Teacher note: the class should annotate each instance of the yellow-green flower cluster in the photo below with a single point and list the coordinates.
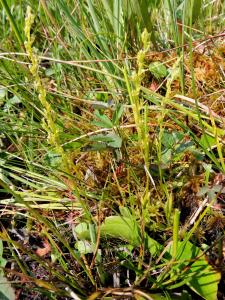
(48, 121)
(137, 102)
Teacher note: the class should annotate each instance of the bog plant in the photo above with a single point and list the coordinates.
(49, 123)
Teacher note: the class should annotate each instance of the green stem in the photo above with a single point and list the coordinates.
(13, 23)
(175, 232)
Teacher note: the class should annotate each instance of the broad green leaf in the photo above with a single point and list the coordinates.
(116, 141)
(110, 139)
(199, 275)
(127, 229)
(183, 295)
(102, 120)
(184, 146)
(123, 228)
(53, 159)
(81, 231)
(211, 191)
(158, 70)
(73, 145)
(206, 279)
(84, 247)
(103, 97)
(202, 191)
(152, 245)
(99, 146)
(101, 138)
(6, 291)
(170, 139)
(166, 156)
(207, 141)
(49, 72)
(197, 154)
(125, 212)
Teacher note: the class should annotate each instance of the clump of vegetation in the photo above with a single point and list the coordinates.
(112, 171)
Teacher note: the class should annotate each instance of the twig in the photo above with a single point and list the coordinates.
(198, 211)
(104, 130)
(205, 108)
